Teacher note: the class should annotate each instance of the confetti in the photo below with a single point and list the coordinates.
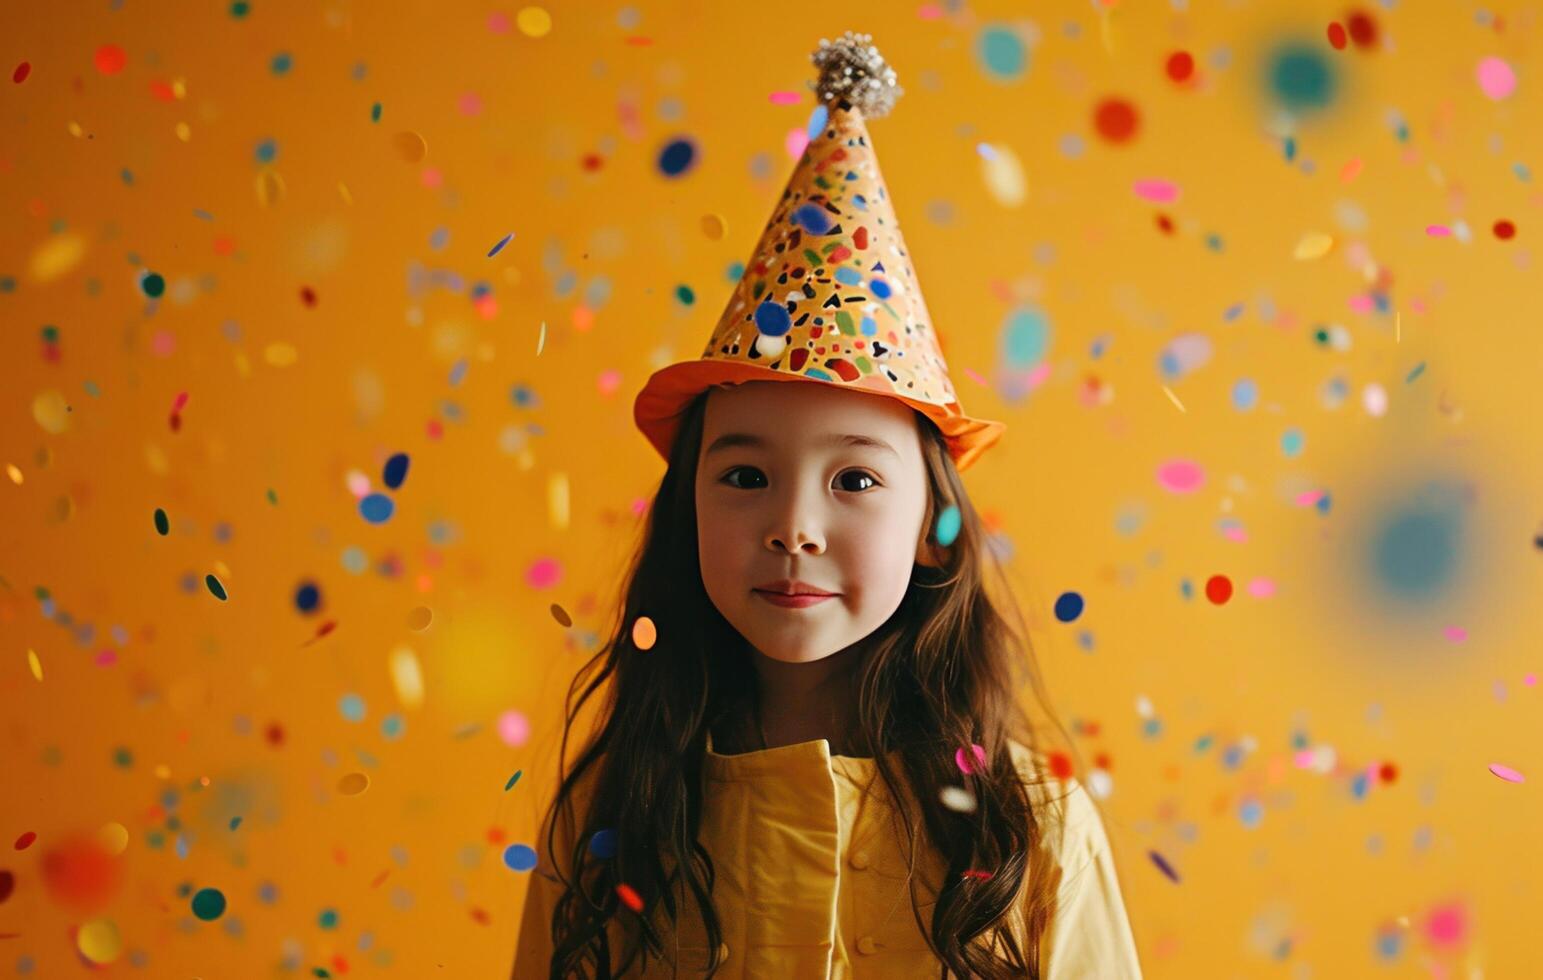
(395, 471)
(162, 525)
(410, 146)
(110, 59)
(407, 676)
(1496, 77)
(533, 21)
(35, 665)
(957, 799)
(561, 615)
(714, 227)
(962, 760)
(1181, 476)
(376, 508)
(216, 587)
(629, 897)
(677, 157)
(208, 904)
(500, 246)
(513, 779)
(1180, 66)
(1068, 606)
(22, 71)
(1506, 772)
(643, 633)
(98, 940)
(946, 530)
(354, 783)
(1164, 866)
(1116, 120)
(1218, 588)
(1313, 245)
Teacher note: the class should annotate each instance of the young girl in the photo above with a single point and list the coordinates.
(819, 767)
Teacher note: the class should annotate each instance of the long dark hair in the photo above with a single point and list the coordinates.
(941, 674)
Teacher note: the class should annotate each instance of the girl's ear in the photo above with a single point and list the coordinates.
(928, 553)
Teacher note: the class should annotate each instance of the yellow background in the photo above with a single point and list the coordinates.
(189, 686)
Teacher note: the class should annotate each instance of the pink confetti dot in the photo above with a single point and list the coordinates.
(1496, 77)
(431, 177)
(1531, 680)
(795, 142)
(498, 22)
(163, 343)
(1455, 634)
(1181, 476)
(513, 728)
(1307, 498)
(469, 104)
(608, 381)
(1261, 588)
(1507, 773)
(543, 573)
(1161, 191)
(1447, 926)
(963, 761)
(784, 98)
(1437, 231)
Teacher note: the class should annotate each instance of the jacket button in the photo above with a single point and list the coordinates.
(859, 859)
(867, 945)
(723, 951)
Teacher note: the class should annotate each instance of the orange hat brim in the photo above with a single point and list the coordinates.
(670, 389)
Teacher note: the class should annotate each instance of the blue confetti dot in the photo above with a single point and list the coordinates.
(948, 524)
(1001, 53)
(811, 218)
(352, 707)
(817, 120)
(880, 288)
(307, 597)
(677, 157)
(281, 63)
(391, 727)
(328, 919)
(1068, 606)
(396, 471)
(1025, 338)
(772, 319)
(376, 508)
(520, 857)
(267, 151)
(1301, 78)
(1250, 813)
(602, 844)
(1291, 442)
(1245, 394)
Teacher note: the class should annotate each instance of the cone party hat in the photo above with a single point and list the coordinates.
(829, 296)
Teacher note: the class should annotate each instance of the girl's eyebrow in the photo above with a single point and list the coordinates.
(732, 439)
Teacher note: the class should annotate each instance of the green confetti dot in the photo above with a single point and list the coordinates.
(240, 8)
(235, 822)
(685, 294)
(152, 284)
(215, 587)
(512, 780)
(273, 497)
(162, 525)
(375, 112)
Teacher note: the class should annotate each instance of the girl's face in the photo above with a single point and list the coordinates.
(814, 484)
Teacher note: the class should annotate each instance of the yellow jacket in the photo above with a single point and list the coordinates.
(811, 880)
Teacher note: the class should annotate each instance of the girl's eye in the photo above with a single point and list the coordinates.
(861, 475)
(849, 485)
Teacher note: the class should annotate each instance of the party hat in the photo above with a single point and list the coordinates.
(829, 295)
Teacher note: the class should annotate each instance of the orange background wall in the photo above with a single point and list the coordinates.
(1312, 756)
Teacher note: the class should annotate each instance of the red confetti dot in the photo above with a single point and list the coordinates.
(1165, 224)
(25, 840)
(7, 885)
(1363, 29)
(1101, 760)
(1218, 588)
(308, 296)
(224, 245)
(1504, 230)
(1388, 773)
(274, 733)
(630, 897)
(1337, 36)
(22, 71)
(1060, 765)
(1180, 66)
(593, 162)
(110, 59)
(1115, 120)
(480, 915)
(976, 874)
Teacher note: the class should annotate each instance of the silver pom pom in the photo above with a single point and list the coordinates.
(851, 68)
